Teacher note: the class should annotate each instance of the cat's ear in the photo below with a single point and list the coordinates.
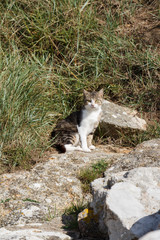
(85, 93)
(100, 93)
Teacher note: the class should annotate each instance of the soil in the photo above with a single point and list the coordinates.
(144, 25)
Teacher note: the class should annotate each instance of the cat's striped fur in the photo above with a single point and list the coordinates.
(76, 131)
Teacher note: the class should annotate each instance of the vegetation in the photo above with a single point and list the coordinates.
(70, 215)
(51, 50)
(89, 174)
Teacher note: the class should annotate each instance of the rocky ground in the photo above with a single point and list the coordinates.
(34, 201)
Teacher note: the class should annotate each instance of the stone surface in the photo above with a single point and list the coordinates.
(52, 229)
(146, 154)
(155, 235)
(87, 223)
(36, 199)
(128, 203)
(42, 194)
(121, 117)
(34, 234)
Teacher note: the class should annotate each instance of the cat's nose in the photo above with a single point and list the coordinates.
(92, 102)
(92, 105)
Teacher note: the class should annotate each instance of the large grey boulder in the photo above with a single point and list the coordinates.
(144, 155)
(128, 203)
(116, 117)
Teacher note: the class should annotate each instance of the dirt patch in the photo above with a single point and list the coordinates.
(144, 25)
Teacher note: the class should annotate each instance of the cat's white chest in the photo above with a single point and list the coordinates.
(89, 119)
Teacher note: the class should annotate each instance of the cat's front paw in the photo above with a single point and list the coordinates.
(78, 148)
(92, 147)
(86, 150)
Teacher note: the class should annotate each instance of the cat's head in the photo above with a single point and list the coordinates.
(93, 100)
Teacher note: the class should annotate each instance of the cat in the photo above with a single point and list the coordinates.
(76, 131)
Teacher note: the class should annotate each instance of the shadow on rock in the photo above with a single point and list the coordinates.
(82, 226)
(146, 224)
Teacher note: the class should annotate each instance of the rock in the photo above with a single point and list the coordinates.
(34, 233)
(42, 194)
(115, 117)
(87, 222)
(30, 199)
(146, 154)
(155, 235)
(99, 193)
(31, 234)
(46, 190)
(131, 206)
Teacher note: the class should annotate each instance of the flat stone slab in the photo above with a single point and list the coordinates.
(34, 234)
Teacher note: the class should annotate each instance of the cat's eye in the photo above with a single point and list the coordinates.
(87, 102)
(99, 101)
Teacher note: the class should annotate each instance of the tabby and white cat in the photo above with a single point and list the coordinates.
(76, 131)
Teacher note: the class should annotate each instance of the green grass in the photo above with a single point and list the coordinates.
(70, 215)
(5, 201)
(89, 174)
(50, 51)
(127, 139)
(24, 104)
(29, 200)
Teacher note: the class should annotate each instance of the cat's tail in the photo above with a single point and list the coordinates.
(59, 147)
(64, 142)
(67, 148)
